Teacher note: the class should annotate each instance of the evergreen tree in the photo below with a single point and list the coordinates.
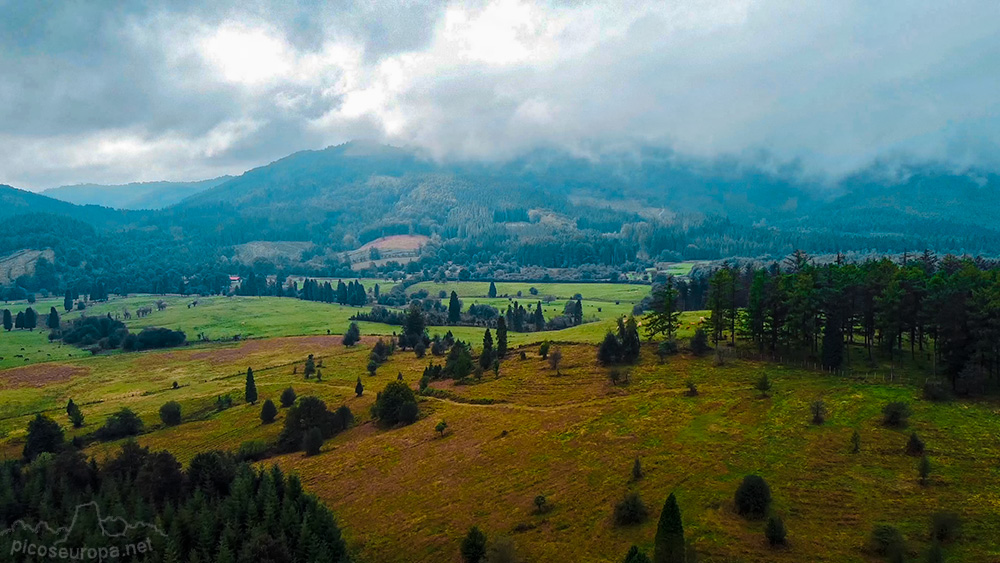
(775, 531)
(635, 555)
(833, 342)
(539, 317)
(610, 350)
(30, 318)
(353, 334)
(268, 412)
(668, 546)
(359, 389)
(699, 342)
(288, 397)
(454, 309)
(68, 301)
(501, 337)
(473, 547)
(170, 413)
(8, 322)
(753, 497)
(53, 320)
(250, 394)
(44, 435)
(19, 320)
(493, 290)
(664, 318)
(75, 415)
(487, 355)
(310, 368)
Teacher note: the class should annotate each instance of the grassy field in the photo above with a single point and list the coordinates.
(408, 494)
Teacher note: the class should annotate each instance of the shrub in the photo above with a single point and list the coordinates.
(541, 504)
(775, 531)
(666, 348)
(543, 350)
(637, 470)
(699, 342)
(886, 541)
(268, 412)
(473, 547)
(914, 446)
(635, 555)
(630, 510)
(44, 435)
(763, 385)
(692, 388)
(119, 425)
(924, 467)
(502, 550)
(252, 450)
(895, 414)
(753, 497)
(288, 397)
(936, 390)
(818, 409)
(312, 441)
(855, 442)
(311, 412)
(441, 427)
(395, 404)
(353, 335)
(945, 526)
(170, 413)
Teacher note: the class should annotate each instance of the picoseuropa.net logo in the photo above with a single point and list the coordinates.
(118, 540)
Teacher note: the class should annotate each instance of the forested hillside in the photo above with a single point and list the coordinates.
(600, 217)
(139, 195)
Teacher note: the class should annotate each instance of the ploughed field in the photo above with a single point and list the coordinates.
(410, 494)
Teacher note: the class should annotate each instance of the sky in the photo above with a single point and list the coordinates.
(116, 92)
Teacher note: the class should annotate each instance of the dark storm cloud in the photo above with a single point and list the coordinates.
(143, 91)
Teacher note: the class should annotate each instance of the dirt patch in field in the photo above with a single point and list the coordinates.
(39, 375)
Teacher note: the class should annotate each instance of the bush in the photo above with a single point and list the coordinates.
(635, 555)
(312, 441)
(288, 397)
(915, 446)
(692, 388)
(155, 337)
(666, 348)
(818, 409)
(699, 342)
(937, 391)
(170, 413)
(945, 526)
(775, 531)
(630, 510)
(764, 385)
(252, 450)
(473, 547)
(44, 435)
(753, 497)
(895, 414)
(886, 541)
(311, 412)
(395, 404)
(268, 412)
(543, 350)
(119, 425)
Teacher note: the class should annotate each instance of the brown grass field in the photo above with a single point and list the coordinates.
(409, 495)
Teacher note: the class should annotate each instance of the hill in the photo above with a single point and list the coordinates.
(139, 195)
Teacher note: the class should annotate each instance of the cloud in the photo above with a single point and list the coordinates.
(130, 93)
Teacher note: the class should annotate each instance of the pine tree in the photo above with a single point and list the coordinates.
(668, 546)
(501, 337)
(8, 322)
(353, 335)
(635, 555)
(610, 351)
(75, 415)
(486, 357)
(310, 367)
(473, 547)
(493, 290)
(288, 397)
(30, 319)
(251, 388)
(664, 318)
(359, 389)
(833, 342)
(268, 412)
(68, 301)
(19, 320)
(53, 320)
(454, 309)
(775, 531)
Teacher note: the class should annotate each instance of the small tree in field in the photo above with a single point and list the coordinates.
(288, 397)
(372, 367)
(473, 547)
(637, 469)
(75, 416)
(914, 446)
(543, 350)
(699, 342)
(555, 358)
(855, 442)
(668, 545)
(310, 368)
(441, 427)
(268, 412)
(251, 388)
(924, 468)
(764, 385)
(170, 413)
(775, 531)
(753, 497)
(541, 504)
(895, 414)
(359, 389)
(818, 412)
(630, 510)
(353, 335)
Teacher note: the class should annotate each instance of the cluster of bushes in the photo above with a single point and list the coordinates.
(105, 333)
(379, 354)
(396, 404)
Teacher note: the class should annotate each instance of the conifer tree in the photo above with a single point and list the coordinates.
(454, 309)
(669, 542)
(493, 290)
(250, 394)
(8, 322)
(268, 412)
(359, 389)
(501, 337)
(486, 357)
